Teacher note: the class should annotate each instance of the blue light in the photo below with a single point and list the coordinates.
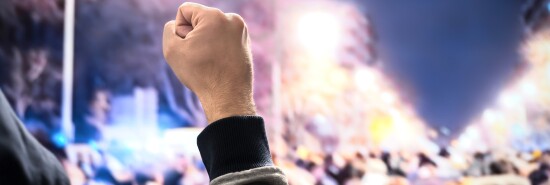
(59, 140)
(548, 6)
(518, 130)
(93, 145)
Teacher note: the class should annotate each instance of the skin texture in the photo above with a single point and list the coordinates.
(209, 51)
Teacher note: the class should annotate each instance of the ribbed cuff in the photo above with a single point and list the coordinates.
(234, 144)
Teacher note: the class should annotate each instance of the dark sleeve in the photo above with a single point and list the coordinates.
(235, 150)
(23, 161)
(234, 144)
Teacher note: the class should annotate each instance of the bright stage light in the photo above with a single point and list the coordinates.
(472, 131)
(319, 32)
(489, 116)
(389, 97)
(528, 88)
(509, 100)
(365, 79)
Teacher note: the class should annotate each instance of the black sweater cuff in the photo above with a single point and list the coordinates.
(234, 144)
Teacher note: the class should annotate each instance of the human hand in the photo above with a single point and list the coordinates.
(209, 51)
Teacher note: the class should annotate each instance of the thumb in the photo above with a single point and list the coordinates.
(169, 37)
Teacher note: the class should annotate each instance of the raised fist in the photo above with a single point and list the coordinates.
(209, 51)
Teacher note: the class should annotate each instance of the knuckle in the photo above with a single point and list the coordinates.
(168, 25)
(188, 4)
(236, 20)
(183, 5)
(216, 12)
(216, 15)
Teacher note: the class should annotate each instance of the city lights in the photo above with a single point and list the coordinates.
(319, 33)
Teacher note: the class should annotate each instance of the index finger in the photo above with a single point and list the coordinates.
(188, 14)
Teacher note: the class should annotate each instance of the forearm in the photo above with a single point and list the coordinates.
(209, 51)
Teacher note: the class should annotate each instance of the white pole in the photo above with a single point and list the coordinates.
(68, 67)
(277, 124)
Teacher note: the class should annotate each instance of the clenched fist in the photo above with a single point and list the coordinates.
(209, 52)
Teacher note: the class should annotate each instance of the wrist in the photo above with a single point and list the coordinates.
(220, 107)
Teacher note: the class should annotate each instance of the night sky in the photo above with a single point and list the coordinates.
(450, 57)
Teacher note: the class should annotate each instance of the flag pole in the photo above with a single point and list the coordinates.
(68, 67)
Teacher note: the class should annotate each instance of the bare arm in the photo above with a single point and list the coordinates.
(209, 51)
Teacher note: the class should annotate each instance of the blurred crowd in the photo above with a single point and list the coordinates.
(402, 168)
(372, 168)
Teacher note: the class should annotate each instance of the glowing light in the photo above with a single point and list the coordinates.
(528, 88)
(134, 145)
(365, 79)
(93, 145)
(389, 97)
(472, 132)
(509, 100)
(458, 159)
(319, 32)
(59, 140)
(489, 116)
(302, 152)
